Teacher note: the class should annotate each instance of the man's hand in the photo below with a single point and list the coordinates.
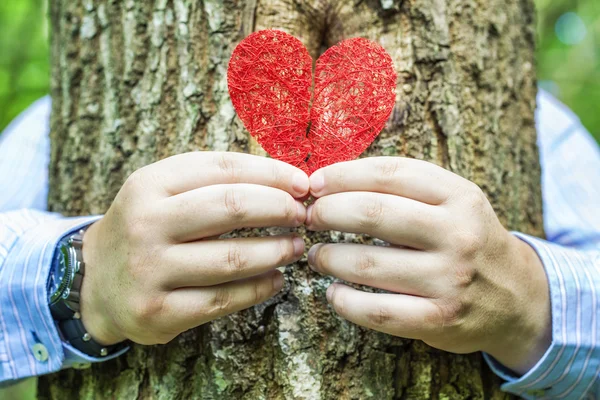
(460, 281)
(154, 264)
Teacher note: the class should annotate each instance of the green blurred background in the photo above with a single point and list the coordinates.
(568, 55)
(568, 64)
(24, 58)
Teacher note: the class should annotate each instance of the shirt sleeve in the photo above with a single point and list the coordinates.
(29, 341)
(569, 368)
(24, 158)
(570, 161)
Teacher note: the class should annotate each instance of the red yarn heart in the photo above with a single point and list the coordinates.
(269, 79)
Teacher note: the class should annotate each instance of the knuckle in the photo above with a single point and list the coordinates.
(386, 170)
(448, 315)
(134, 181)
(140, 180)
(379, 316)
(221, 302)
(229, 166)
(365, 264)
(259, 293)
(277, 175)
(336, 174)
(137, 219)
(146, 309)
(322, 257)
(285, 251)
(318, 216)
(474, 196)
(337, 301)
(428, 221)
(234, 205)
(464, 276)
(236, 260)
(467, 244)
(372, 214)
(290, 211)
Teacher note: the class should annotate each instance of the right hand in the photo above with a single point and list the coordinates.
(155, 266)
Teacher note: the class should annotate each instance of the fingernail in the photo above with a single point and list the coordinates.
(317, 182)
(298, 246)
(330, 291)
(308, 219)
(311, 255)
(301, 216)
(300, 183)
(278, 282)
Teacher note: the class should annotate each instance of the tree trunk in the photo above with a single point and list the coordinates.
(136, 81)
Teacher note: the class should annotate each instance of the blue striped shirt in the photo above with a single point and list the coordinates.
(31, 345)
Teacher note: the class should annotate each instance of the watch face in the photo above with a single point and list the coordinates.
(59, 277)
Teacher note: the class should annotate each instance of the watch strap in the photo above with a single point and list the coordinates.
(75, 333)
(60, 311)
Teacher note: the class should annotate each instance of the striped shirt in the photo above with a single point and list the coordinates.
(31, 345)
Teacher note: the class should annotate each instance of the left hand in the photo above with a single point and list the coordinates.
(460, 281)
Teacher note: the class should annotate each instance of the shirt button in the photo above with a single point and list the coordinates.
(40, 352)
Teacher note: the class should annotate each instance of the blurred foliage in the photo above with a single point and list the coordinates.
(23, 390)
(568, 55)
(24, 58)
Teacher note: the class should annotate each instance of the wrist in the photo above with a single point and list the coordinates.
(523, 343)
(94, 314)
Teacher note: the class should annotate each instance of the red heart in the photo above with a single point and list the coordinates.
(269, 78)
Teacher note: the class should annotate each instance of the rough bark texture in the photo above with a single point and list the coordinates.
(135, 81)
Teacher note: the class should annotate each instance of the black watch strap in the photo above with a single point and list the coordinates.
(75, 333)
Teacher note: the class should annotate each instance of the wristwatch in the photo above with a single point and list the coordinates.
(64, 286)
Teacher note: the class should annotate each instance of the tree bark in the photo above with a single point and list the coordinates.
(136, 81)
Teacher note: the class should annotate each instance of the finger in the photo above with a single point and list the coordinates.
(187, 308)
(396, 314)
(217, 209)
(414, 179)
(209, 263)
(396, 270)
(189, 171)
(395, 219)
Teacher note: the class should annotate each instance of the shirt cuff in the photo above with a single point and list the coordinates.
(570, 366)
(31, 344)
